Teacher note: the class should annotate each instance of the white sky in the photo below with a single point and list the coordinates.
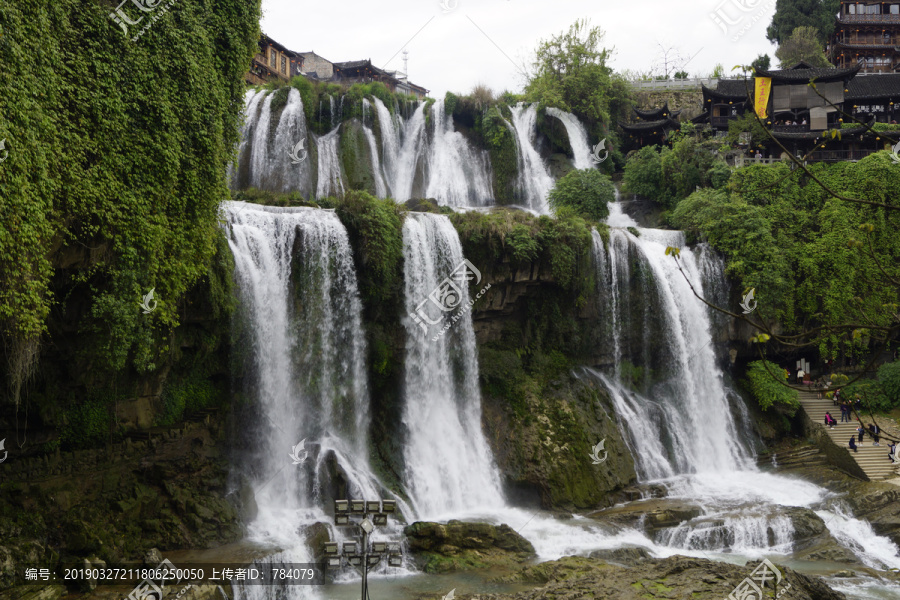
(450, 53)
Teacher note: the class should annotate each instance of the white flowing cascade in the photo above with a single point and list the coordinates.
(449, 468)
(402, 176)
(307, 371)
(259, 152)
(534, 181)
(331, 182)
(578, 138)
(683, 432)
(283, 174)
(377, 174)
(458, 175)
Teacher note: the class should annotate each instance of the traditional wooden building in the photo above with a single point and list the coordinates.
(650, 126)
(273, 61)
(798, 115)
(316, 67)
(867, 34)
(363, 71)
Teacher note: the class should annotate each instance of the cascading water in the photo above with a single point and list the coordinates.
(534, 181)
(457, 174)
(390, 141)
(284, 172)
(683, 424)
(449, 468)
(664, 307)
(403, 174)
(380, 187)
(331, 182)
(305, 365)
(578, 138)
(259, 152)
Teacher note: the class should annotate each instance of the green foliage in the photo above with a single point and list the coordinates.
(744, 123)
(375, 227)
(501, 145)
(805, 44)
(571, 73)
(769, 392)
(791, 14)
(115, 150)
(889, 378)
(450, 102)
(185, 397)
(87, 424)
(802, 249)
(761, 63)
(587, 191)
(667, 175)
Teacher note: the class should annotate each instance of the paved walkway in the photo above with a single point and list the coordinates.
(872, 459)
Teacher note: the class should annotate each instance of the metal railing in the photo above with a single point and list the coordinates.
(674, 84)
(869, 19)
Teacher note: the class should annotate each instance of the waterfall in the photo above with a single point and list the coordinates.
(380, 187)
(259, 152)
(683, 423)
(448, 464)
(330, 182)
(390, 141)
(404, 174)
(534, 181)
(301, 315)
(283, 174)
(331, 110)
(578, 138)
(305, 362)
(457, 174)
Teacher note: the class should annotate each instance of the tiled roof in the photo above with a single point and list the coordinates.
(650, 125)
(731, 89)
(803, 75)
(885, 85)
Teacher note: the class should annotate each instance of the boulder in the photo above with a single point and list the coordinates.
(673, 577)
(459, 546)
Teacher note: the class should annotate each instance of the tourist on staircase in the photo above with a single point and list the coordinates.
(845, 412)
(853, 444)
(860, 430)
(892, 451)
(874, 431)
(829, 420)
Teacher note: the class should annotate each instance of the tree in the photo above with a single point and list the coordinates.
(718, 71)
(791, 14)
(762, 63)
(587, 191)
(570, 72)
(681, 75)
(803, 45)
(668, 61)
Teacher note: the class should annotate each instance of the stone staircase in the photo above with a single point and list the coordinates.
(872, 459)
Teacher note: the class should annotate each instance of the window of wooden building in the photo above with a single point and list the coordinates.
(284, 65)
(272, 58)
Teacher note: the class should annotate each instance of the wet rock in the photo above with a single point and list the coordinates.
(152, 557)
(459, 546)
(674, 577)
(655, 514)
(621, 555)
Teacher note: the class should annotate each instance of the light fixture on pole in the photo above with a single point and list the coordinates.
(363, 555)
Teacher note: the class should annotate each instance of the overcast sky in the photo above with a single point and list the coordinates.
(455, 44)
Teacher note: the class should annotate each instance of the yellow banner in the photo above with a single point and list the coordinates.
(761, 101)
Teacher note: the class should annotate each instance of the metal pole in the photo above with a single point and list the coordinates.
(365, 564)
